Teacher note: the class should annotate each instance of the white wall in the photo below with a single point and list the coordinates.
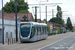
(9, 27)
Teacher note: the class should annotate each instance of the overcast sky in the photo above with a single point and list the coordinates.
(68, 8)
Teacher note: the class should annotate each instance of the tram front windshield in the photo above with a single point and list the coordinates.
(25, 30)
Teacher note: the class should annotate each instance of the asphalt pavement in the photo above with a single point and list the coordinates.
(64, 44)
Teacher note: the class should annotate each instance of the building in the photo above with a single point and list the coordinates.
(55, 25)
(9, 24)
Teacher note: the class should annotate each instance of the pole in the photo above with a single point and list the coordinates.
(35, 14)
(16, 19)
(2, 24)
(40, 11)
(52, 17)
(46, 14)
(27, 10)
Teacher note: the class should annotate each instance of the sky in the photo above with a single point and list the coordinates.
(67, 6)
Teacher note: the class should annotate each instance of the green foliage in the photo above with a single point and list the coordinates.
(9, 7)
(69, 24)
(21, 6)
(59, 16)
(48, 28)
(59, 13)
(58, 30)
(72, 30)
(44, 20)
(51, 34)
(23, 11)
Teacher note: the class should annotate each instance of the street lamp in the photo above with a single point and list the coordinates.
(2, 25)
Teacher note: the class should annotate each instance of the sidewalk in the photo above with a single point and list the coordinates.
(1, 46)
(72, 47)
(6, 46)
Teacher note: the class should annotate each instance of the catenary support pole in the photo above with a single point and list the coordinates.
(16, 19)
(2, 24)
(46, 14)
(53, 19)
(35, 14)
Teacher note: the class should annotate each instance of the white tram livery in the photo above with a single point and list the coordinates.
(32, 31)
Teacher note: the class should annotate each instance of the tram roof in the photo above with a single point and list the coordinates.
(36, 23)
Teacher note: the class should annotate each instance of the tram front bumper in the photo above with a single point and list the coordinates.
(24, 39)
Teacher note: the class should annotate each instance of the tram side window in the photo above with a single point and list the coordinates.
(37, 30)
(43, 30)
(40, 30)
(32, 31)
(46, 30)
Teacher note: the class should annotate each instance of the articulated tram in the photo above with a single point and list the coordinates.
(32, 31)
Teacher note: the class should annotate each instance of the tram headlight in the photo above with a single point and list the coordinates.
(20, 36)
(28, 36)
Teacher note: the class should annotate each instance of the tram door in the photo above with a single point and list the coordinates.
(0, 35)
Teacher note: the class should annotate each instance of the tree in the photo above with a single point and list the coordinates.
(69, 24)
(59, 15)
(59, 12)
(58, 19)
(44, 19)
(53, 20)
(21, 6)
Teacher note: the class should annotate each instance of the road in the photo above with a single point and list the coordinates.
(40, 45)
(64, 44)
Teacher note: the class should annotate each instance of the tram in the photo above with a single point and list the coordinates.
(32, 31)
